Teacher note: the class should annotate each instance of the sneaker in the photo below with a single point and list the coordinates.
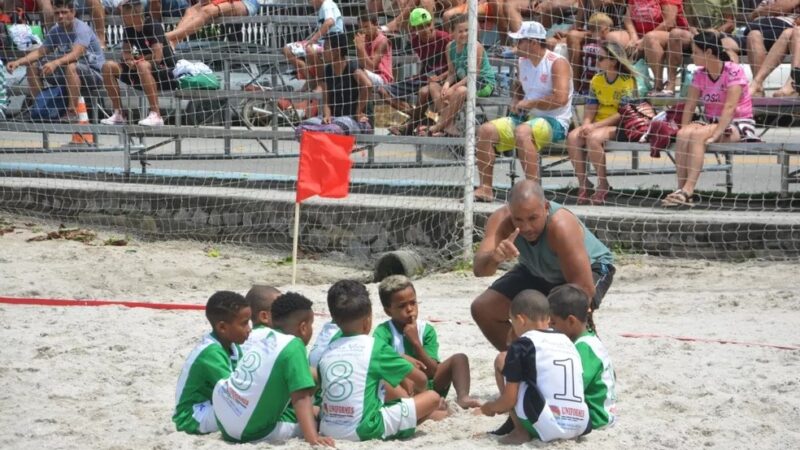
(152, 120)
(116, 119)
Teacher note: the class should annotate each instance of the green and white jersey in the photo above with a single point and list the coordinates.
(208, 363)
(329, 333)
(249, 403)
(599, 380)
(390, 335)
(350, 372)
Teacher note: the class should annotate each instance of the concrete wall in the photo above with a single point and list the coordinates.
(363, 232)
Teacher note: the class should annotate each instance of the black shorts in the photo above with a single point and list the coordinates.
(770, 27)
(164, 79)
(519, 278)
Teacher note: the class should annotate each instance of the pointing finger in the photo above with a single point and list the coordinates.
(513, 235)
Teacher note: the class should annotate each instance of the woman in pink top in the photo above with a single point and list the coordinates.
(374, 51)
(722, 87)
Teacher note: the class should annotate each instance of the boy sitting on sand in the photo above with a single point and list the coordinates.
(543, 386)
(213, 359)
(260, 298)
(330, 331)
(351, 372)
(412, 336)
(569, 315)
(251, 405)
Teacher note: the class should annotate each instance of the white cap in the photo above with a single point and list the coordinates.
(530, 30)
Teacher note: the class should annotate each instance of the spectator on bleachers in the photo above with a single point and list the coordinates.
(374, 51)
(73, 57)
(453, 91)
(721, 85)
(305, 55)
(648, 23)
(614, 83)
(204, 11)
(3, 90)
(430, 47)
(147, 64)
(709, 15)
(159, 9)
(83, 8)
(764, 27)
(402, 11)
(541, 108)
(787, 44)
(596, 21)
(345, 87)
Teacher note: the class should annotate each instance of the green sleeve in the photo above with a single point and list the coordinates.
(383, 334)
(293, 364)
(592, 365)
(430, 342)
(388, 365)
(215, 364)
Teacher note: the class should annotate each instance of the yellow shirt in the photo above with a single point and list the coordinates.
(608, 95)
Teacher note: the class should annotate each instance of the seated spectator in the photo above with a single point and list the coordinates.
(787, 44)
(204, 11)
(596, 21)
(167, 8)
(649, 23)
(402, 10)
(722, 87)
(541, 107)
(345, 87)
(374, 51)
(3, 90)
(709, 15)
(147, 64)
(83, 8)
(453, 92)
(614, 83)
(430, 45)
(73, 57)
(765, 25)
(305, 55)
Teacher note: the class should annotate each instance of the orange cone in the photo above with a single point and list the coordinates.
(83, 119)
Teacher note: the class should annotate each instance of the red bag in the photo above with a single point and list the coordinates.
(662, 132)
(635, 118)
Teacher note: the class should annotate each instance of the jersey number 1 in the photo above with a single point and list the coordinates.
(569, 381)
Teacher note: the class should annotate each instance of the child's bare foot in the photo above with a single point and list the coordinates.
(516, 437)
(785, 91)
(467, 402)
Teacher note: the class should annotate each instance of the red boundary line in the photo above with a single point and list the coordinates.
(184, 306)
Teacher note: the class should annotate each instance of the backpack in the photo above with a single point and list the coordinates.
(635, 118)
(49, 105)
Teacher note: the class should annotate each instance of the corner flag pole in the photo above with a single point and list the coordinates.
(295, 241)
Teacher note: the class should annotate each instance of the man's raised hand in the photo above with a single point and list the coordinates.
(506, 250)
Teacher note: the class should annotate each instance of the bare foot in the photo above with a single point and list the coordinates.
(785, 92)
(756, 90)
(439, 414)
(516, 437)
(484, 194)
(467, 402)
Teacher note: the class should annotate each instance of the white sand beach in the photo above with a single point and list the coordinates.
(104, 377)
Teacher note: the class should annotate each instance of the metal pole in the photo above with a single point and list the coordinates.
(469, 142)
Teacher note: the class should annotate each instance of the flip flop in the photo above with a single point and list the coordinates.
(678, 199)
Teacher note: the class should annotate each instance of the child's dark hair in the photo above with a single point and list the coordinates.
(223, 306)
(391, 285)
(569, 300)
(345, 289)
(365, 17)
(337, 42)
(710, 40)
(455, 20)
(289, 307)
(258, 298)
(531, 304)
(69, 4)
(348, 300)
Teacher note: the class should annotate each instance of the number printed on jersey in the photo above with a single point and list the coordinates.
(338, 388)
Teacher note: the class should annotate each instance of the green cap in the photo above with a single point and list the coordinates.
(419, 17)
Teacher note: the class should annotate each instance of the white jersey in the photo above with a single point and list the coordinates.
(249, 404)
(553, 401)
(330, 331)
(537, 83)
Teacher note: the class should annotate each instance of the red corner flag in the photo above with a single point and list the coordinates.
(325, 164)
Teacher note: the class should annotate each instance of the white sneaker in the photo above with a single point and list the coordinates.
(152, 120)
(116, 119)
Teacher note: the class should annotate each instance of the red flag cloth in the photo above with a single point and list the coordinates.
(325, 164)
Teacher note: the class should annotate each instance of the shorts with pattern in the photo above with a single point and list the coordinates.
(505, 130)
(399, 419)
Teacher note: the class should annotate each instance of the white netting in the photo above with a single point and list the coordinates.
(234, 125)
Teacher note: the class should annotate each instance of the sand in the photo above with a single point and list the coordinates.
(104, 377)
